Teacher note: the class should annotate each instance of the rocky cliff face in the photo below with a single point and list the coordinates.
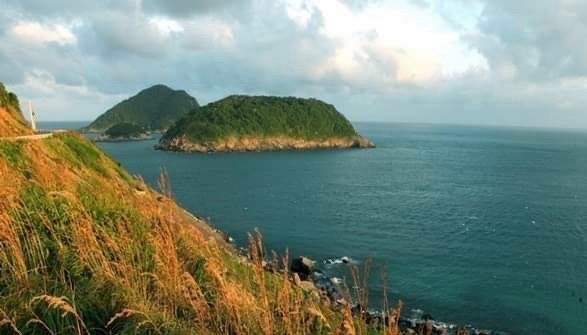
(244, 144)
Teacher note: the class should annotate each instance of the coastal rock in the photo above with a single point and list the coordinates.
(248, 144)
(302, 266)
(308, 286)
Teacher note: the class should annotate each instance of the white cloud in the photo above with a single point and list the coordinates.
(474, 61)
(166, 26)
(411, 44)
(207, 33)
(35, 32)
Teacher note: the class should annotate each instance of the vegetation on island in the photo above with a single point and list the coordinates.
(125, 130)
(155, 108)
(260, 117)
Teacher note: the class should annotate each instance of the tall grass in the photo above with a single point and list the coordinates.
(84, 249)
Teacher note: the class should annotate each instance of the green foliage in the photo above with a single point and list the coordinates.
(49, 219)
(9, 101)
(125, 130)
(77, 151)
(261, 116)
(154, 108)
(12, 151)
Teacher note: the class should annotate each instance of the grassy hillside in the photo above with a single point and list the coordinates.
(12, 122)
(87, 248)
(154, 108)
(262, 116)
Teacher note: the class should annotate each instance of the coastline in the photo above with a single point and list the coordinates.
(122, 139)
(272, 143)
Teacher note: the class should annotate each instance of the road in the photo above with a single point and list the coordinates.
(32, 137)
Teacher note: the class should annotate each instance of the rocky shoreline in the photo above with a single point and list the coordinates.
(105, 138)
(306, 274)
(249, 144)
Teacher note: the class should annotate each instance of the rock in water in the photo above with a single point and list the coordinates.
(303, 267)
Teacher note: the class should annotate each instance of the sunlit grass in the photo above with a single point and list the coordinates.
(85, 248)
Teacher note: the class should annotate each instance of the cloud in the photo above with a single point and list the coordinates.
(534, 40)
(479, 61)
(35, 32)
(118, 34)
(187, 8)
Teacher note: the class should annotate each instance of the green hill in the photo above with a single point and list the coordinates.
(12, 123)
(125, 130)
(154, 108)
(247, 123)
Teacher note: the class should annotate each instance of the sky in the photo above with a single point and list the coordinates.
(488, 62)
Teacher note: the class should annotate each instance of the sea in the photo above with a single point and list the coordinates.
(474, 225)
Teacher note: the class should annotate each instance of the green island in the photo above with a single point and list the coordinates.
(155, 108)
(124, 131)
(258, 123)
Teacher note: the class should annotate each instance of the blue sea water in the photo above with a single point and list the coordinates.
(478, 225)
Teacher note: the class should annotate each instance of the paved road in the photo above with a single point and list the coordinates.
(32, 137)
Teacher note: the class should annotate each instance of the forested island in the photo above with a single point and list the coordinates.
(125, 131)
(155, 108)
(262, 123)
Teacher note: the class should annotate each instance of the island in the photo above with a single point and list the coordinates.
(241, 123)
(155, 108)
(124, 131)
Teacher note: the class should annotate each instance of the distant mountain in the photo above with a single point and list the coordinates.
(255, 123)
(154, 108)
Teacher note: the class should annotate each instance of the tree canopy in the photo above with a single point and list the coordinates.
(125, 130)
(154, 108)
(263, 116)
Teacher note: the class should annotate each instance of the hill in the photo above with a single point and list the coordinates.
(252, 123)
(154, 108)
(124, 132)
(12, 123)
(87, 248)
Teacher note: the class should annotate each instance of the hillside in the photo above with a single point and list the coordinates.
(12, 122)
(86, 248)
(154, 108)
(251, 123)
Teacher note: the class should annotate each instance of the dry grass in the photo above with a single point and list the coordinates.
(12, 124)
(85, 248)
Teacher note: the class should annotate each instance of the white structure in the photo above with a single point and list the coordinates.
(32, 115)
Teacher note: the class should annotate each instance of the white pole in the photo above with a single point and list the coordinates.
(32, 113)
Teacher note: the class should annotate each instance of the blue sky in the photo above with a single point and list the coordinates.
(492, 62)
